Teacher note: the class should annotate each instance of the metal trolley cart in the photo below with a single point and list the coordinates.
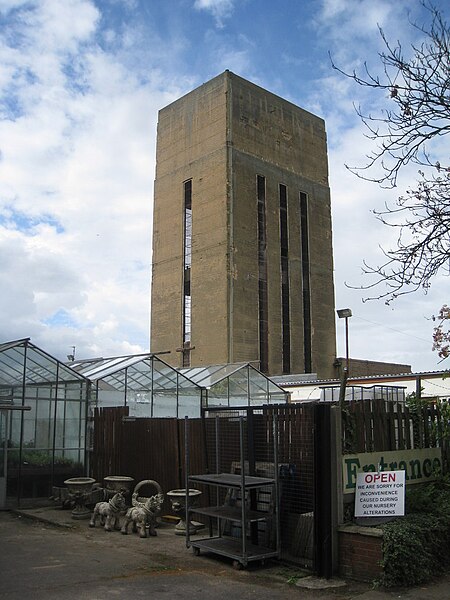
(239, 511)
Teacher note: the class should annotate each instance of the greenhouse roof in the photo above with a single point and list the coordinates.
(207, 377)
(21, 362)
(140, 369)
(97, 368)
(140, 374)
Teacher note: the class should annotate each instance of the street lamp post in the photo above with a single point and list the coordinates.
(345, 313)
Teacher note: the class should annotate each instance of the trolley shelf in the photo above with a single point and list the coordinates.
(241, 500)
(233, 548)
(231, 513)
(232, 480)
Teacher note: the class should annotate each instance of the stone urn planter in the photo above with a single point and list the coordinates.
(118, 483)
(178, 502)
(80, 489)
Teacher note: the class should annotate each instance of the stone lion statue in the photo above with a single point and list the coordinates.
(109, 512)
(143, 515)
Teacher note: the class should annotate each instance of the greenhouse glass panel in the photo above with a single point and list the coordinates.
(217, 399)
(207, 377)
(164, 376)
(139, 376)
(72, 458)
(29, 424)
(164, 405)
(139, 402)
(139, 409)
(189, 399)
(239, 388)
(59, 425)
(189, 405)
(116, 380)
(40, 368)
(258, 385)
(110, 398)
(72, 420)
(43, 391)
(15, 428)
(139, 397)
(70, 391)
(11, 366)
(44, 423)
(218, 394)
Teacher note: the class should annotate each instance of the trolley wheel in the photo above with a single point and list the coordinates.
(237, 565)
(196, 551)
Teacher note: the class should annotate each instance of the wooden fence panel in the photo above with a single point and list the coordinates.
(366, 415)
(151, 451)
(380, 425)
(199, 460)
(106, 456)
(391, 426)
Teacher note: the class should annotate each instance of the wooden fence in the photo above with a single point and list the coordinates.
(155, 449)
(144, 448)
(378, 425)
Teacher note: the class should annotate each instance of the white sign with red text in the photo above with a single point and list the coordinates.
(380, 494)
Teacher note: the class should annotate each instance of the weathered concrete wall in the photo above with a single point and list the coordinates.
(287, 145)
(191, 145)
(222, 136)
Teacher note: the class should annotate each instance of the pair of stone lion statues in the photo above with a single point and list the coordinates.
(142, 514)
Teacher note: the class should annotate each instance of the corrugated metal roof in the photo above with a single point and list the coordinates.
(299, 381)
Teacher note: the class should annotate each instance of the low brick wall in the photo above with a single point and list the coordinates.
(360, 552)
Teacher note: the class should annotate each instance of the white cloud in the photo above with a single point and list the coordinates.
(234, 54)
(220, 9)
(79, 160)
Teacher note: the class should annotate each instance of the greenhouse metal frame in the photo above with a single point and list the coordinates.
(43, 411)
(150, 387)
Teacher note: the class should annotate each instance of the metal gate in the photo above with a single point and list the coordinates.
(303, 451)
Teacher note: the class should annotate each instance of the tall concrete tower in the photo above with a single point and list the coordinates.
(242, 248)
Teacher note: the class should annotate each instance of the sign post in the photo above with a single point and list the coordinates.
(380, 494)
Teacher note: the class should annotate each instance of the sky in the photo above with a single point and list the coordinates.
(81, 83)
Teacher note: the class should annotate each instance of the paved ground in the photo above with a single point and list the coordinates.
(39, 560)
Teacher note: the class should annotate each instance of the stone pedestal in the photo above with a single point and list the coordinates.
(178, 501)
(79, 490)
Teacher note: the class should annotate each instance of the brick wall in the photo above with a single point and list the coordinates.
(360, 552)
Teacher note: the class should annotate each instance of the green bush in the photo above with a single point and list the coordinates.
(415, 547)
(37, 458)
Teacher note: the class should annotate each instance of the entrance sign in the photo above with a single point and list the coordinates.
(380, 494)
(420, 465)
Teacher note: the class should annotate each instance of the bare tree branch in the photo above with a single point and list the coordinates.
(418, 89)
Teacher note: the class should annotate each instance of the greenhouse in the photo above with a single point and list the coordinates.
(152, 388)
(46, 405)
(43, 408)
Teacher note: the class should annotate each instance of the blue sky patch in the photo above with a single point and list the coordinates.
(60, 318)
(26, 223)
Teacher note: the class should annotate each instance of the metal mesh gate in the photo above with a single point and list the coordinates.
(294, 454)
